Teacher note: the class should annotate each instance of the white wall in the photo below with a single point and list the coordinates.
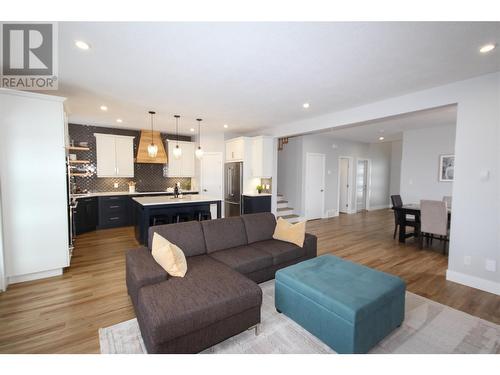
(33, 178)
(475, 223)
(420, 163)
(396, 156)
(291, 172)
(3, 279)
(380, 181)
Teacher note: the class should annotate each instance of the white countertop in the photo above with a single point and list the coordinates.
(257, 194)
(165, 199)
(110, 193)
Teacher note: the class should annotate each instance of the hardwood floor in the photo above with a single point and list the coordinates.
(62, 314)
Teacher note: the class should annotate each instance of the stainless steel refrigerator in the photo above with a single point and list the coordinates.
(233, 186)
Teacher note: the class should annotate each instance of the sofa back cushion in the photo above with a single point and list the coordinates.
(188, 236)
(259, 227)
(223, 234)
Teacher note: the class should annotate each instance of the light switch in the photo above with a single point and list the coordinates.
(115, 185)
(467, 260)
(491, 265)
(484, 175)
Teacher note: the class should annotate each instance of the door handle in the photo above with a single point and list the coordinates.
(321, 190)
(205, 190)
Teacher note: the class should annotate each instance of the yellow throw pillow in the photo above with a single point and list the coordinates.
(169, 256)
(294, 233)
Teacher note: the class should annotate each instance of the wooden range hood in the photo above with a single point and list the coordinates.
(142, 150)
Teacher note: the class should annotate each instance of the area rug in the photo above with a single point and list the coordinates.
(429, 327)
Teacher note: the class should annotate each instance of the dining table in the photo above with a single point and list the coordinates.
(410, 209)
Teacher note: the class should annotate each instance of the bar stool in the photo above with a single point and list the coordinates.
(203, 215)
(160, 219)
(181, 216)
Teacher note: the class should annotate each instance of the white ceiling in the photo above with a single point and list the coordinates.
(256, 75)
(392, 128)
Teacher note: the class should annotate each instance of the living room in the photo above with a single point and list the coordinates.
(180, 210)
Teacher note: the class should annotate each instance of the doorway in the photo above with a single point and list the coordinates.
(344, 191)
(315, 186)
(211, 177)
(362, 182)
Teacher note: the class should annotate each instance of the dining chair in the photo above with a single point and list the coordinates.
(410, 219)
(433, 222)
(447, 200)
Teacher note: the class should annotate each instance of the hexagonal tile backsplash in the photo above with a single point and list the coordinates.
(148, 177)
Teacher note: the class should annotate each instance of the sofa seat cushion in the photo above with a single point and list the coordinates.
(208, 293)
(280, 251)
(244, 259)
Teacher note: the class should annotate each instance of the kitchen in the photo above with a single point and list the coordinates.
(48, 166)
(110, 189)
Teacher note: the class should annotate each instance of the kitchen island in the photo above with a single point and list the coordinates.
(147, 208)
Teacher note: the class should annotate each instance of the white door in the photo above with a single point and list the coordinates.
(106, 156)
(315, 186)
(361, 184)
(344, 185)
(124, 151)
(211, 173)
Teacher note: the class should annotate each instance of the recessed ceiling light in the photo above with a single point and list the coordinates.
(82, 45)
(104, 108)
(487, 48)
(305, 105)
(381, 138)
(119, 120)
(191, 130)
(226, 126)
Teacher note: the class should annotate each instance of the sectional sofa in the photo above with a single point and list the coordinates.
(219, 296)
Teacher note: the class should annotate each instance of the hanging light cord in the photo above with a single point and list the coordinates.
(152, 139)
(199, 133)
(177, 129)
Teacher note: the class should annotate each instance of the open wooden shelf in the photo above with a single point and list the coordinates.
(79, 161)
(77, 148)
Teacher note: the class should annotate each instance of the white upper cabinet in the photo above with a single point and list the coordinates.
(184, 166)
(235, 149)
(115, 155)
(262, 156)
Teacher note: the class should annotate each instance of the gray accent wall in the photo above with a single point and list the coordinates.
(420, 163)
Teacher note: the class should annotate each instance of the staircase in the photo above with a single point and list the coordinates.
(286, 212)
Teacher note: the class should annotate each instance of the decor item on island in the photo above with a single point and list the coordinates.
(131, 187)
(152, 148)
(293, 233)
(446, 167)
(199, 151)
(259, 188)
(177, 150)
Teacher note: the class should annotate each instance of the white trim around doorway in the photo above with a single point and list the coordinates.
(349, 179)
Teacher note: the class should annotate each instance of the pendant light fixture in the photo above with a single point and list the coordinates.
(199, 151)
(177, 150)
(152, 148)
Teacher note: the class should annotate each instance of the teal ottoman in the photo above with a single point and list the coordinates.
(348, 306)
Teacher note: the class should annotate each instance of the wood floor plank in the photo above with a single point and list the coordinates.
(62, 314)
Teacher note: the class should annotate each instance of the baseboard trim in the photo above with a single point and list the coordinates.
(34, 276)
(473, 282)
(381, 207)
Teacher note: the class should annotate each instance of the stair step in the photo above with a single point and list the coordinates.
(285, 209)
(292, 216)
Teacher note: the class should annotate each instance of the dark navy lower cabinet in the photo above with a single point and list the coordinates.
(253, 204)
(85, 215)
(115, 211)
